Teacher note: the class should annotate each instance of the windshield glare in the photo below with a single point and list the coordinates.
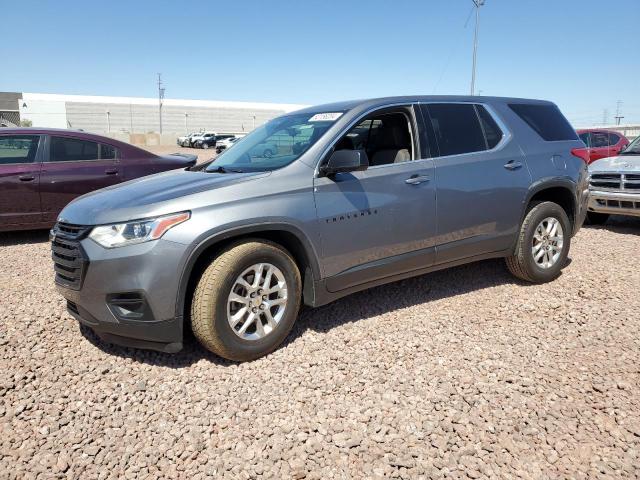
(276, 143)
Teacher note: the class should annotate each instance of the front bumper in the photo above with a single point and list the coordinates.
(128, 294)
(614, 203)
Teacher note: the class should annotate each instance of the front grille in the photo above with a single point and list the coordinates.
(618, 204)
(609, 181)
(615, 181)
(69, 260)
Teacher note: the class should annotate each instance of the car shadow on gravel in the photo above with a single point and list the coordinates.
(8, 239)
(358, 306)
(619, 224)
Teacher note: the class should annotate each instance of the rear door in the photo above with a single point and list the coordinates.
(481, 180)
(75, 166)
(19, 180)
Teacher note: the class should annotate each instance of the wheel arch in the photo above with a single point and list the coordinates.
(286, 235)
(560, 191)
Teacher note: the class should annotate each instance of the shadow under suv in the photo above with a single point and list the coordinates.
(358, 194)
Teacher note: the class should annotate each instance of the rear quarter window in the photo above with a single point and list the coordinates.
(545, 120)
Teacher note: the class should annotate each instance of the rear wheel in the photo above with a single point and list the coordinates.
(246, 301)
(543, 244)
(595, 218)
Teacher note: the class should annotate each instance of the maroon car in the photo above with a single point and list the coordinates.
(41, 170)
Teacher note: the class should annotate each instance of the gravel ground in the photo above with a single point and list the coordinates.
(461, 373)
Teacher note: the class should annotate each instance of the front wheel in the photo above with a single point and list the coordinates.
(205, 146)
(246, 301)
(543, 244)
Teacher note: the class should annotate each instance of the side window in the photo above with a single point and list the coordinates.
(586, 138)
(457, 128)
(613, 139)
(18, 149)
(491, 130)
(108, 152)
(64, 149)
(385, 137)
(599, 139)
(546, 120)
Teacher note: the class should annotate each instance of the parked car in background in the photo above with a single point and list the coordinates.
(206, 140)
(185, 140)
(225, 144)
(381, 190)
(41, 170)
(602, 143)
(198, 136)
(265, 149)
(614, 185)
(211, 140)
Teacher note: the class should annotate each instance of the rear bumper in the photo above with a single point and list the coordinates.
(614, 203)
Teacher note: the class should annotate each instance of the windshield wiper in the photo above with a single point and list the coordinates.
(222, 169)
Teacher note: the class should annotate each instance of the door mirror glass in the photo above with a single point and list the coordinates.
(345, 161)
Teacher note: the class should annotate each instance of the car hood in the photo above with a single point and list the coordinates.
(620, 163)
(154, 195)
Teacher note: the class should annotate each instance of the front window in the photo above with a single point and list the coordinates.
(275, 144)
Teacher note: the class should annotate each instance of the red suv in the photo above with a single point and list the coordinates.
(602, 143)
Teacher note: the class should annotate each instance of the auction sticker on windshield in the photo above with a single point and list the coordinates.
(326, 117)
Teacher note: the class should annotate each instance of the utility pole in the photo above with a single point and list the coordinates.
(618, 117)
(186, 125)
(478, 4)
(160, 98)
(108, 121)
(254, 122)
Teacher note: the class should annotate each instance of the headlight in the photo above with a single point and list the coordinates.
(138, 231)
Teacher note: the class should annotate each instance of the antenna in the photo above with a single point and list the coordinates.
(478, 4)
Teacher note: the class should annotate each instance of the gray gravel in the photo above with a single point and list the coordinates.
(462, 373)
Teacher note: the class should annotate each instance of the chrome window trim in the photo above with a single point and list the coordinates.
(507, 135)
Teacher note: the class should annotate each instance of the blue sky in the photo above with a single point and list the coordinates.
(581, 54)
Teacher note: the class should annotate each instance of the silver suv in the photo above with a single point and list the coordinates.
(356, 194)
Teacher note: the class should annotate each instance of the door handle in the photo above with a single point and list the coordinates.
(26, 178)
(417, 179)
(512, 165)
(111, 172)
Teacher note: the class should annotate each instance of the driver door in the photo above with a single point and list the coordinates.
(381, 221)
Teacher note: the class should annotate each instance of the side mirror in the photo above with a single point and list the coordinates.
(345, 161)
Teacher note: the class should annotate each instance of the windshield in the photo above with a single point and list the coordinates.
(634, 147)
(275, 144)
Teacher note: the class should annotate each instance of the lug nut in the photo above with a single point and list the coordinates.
(253, 295)
(254, 309)
(262, 307)
(260, 292)
(264, 297)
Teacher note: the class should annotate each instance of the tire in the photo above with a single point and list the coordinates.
(205, 146)
(595, 218)
(523, 264)
(267, 153)
(209, 308)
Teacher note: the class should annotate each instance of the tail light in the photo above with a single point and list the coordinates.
(581, 153)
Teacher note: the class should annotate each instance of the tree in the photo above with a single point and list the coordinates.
(26, 123)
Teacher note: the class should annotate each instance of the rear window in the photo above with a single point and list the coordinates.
(546, 120)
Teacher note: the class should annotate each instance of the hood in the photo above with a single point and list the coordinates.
(153, 195)
(620, 163)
